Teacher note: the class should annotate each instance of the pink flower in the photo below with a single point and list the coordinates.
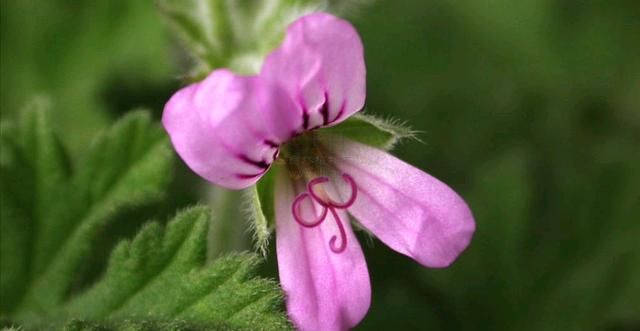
(232, 129)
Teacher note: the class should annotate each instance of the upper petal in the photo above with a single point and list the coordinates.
(321, 65)
(324, 290)
(409, 210)
(228, 128)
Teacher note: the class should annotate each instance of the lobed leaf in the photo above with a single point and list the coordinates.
(162, 274)
(160, 280)
(33, 169)
(145, 325)
(51, 216)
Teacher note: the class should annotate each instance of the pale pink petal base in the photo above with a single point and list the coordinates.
(324, 290)
(407, 209)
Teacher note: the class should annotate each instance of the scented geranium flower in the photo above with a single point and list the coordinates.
(232, 130)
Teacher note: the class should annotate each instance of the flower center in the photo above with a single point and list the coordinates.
(317, 194)
(303, 155)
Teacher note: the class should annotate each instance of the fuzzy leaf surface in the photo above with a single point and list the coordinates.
(162, 275)
(52, 215)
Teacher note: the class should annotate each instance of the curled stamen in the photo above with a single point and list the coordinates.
(343, 234)
(327, 205)
(326, 200)
(295, 210)
(314, 182)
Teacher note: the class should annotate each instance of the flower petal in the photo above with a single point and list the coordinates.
(321, 65)
(228, 128)
(409, 210)
(324, 290)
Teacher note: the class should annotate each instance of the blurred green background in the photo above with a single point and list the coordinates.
(530, 109)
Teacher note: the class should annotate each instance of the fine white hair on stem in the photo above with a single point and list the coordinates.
(258, 224)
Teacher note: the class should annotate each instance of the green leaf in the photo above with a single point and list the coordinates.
(160, 280)
(162, 275)
(150, 325)
(33, 171)
(51, 216)
(371, 130)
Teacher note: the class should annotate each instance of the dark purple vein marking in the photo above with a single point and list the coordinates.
(305, 120)
(324, 110)
(260, 164)
(249, 176)
(340, 112)
(271, 143)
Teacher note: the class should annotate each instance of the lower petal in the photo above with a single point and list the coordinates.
(324, 290)
(407, 209)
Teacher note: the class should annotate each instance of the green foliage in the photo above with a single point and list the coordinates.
(34, 171)
(86, 55)
(146, 325)
(52, 215)
(161, 275)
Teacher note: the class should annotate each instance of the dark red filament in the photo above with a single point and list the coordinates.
(328, 205)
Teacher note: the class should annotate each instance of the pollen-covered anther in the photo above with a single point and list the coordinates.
(327, 205)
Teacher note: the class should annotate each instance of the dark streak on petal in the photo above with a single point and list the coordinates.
(340, 112)
(249, 176)
(271, 143)
(324, 110)
(260, 164)
(295, 134)
(305, 120)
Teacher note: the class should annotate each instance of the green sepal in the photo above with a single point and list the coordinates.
(371, 130)
(261, 197)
